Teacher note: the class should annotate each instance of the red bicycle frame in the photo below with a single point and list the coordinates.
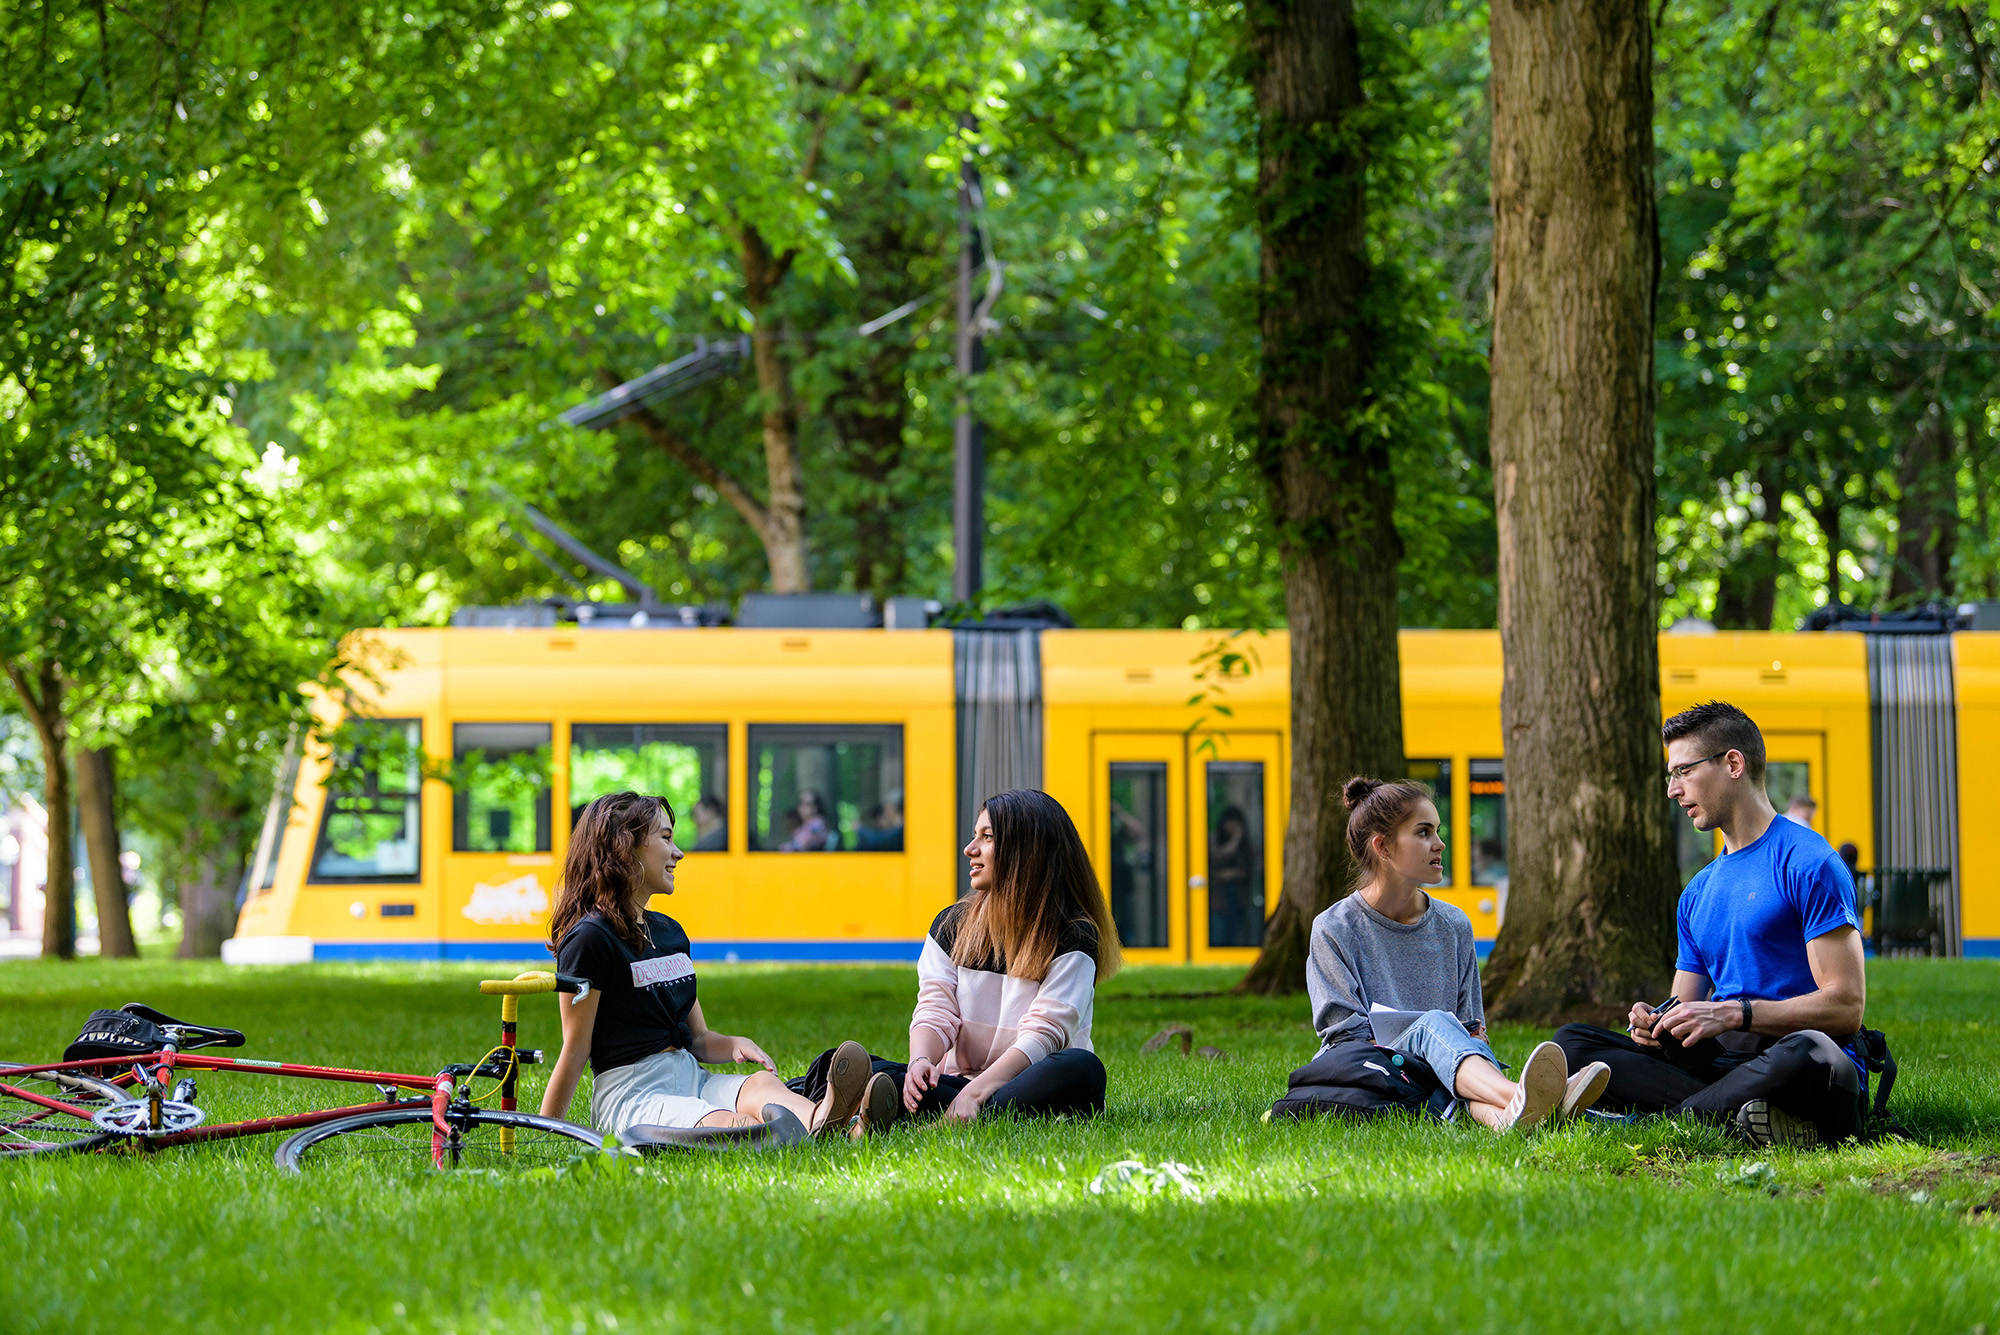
(440, 1088)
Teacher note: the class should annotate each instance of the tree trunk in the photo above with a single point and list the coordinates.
(1827, 515)
(42, 700)
(1746, 596)
(97, 810)
(1332, 492)
(217, 858)
(1590, 923)
(785, 532)
(1927, 514)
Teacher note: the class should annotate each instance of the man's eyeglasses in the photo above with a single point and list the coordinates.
(1677, 773)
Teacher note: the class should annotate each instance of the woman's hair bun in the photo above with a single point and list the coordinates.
(1355, 791)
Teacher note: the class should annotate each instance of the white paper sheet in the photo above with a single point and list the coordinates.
(1389, 1024)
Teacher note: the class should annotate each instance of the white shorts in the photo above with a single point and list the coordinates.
(665, 1089)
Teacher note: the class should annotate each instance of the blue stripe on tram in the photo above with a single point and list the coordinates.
(712, 952)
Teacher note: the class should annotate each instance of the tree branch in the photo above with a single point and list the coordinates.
(677, 448)
(1978, 52)
(822, 122)
(1943, 224)
(29, 700)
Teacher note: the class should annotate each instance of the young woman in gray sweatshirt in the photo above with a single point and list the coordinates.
(1389, 947)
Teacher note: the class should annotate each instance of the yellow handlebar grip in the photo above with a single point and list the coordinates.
(535, 980)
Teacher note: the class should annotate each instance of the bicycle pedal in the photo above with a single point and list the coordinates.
(134, 1117)
(184, 1090)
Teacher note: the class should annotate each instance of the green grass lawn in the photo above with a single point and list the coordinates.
(993, 1230)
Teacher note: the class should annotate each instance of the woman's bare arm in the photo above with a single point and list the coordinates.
(579, 1022)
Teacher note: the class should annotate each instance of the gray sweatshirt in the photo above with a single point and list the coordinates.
(1361, 958)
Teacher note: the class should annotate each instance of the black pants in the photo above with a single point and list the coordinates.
(1070, 1081)
(1806, 1074)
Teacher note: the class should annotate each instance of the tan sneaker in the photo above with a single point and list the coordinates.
(1543, 1077)
(880, 1106)
(846, 1081)
(1585, 1088)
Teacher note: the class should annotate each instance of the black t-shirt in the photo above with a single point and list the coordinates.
(646, 994)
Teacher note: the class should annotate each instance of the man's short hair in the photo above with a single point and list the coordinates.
(1716, 726)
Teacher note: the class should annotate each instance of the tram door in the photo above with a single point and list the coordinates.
(1184, 831)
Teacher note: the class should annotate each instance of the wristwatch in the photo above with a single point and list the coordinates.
(1745, 1003)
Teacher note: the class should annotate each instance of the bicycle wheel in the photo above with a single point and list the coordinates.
(403, 1138)
(26, 1127)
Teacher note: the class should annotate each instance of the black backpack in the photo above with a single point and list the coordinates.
(1872, 1047)
(1359, 1079)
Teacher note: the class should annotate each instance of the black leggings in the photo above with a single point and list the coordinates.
(1806, 1074)
(1070, 1081)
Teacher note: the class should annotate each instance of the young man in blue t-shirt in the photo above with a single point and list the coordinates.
(1768, 981)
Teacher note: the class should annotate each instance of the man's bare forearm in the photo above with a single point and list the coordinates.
(1834, 1010)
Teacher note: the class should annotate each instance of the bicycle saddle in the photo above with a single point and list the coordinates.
(192, 1035)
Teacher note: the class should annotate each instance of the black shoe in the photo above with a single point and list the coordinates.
(1763, 1124)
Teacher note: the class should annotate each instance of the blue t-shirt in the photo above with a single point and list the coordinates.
(1745, 918)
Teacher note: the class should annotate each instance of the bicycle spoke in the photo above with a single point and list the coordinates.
(472, 1145)
(26, 1126)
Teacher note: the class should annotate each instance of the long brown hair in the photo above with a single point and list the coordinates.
(1042, 882)
(601, 871)
(1376, 806)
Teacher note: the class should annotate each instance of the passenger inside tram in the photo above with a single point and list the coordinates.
(711, 821)
(814, 834)
(883, 832)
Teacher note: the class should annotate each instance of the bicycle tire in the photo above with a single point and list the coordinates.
(28, 1128)
(401, 1138)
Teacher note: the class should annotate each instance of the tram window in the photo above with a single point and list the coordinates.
(500, 787)
(825, 788)
(277, 817)
(1139, 853)
(1693, 848)
(684, 763)
(1787, 781)
(1235, 853)
(1436, 776)
(370, 830)
(1489, 823)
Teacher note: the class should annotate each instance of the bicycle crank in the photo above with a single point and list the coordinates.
(134, 1117)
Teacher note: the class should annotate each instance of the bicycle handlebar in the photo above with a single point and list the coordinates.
(529, 983)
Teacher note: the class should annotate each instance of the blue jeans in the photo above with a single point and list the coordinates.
(1440, 1041)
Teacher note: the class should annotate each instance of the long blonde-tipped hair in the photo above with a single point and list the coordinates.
(1042, 882)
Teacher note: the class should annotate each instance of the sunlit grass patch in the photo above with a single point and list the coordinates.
(995, 1228)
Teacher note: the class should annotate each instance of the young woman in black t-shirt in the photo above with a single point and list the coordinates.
(640, 1026)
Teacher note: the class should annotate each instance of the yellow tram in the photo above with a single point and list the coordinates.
(442, 836)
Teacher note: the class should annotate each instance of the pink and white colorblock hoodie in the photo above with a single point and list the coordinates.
(982, 1011)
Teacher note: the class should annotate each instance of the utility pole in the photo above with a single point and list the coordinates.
(968, 504)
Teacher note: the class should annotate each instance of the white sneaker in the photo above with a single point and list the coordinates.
(1543, 1077)
(1585, 1088)
(1763, 1124)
